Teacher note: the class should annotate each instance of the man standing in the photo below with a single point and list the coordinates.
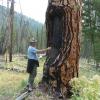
(33, 62)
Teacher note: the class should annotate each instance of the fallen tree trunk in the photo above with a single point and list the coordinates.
(63, 24)
(23, 96)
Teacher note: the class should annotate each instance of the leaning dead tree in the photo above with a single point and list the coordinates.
(63, 21)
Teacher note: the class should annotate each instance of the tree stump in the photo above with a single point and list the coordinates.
(63, 24)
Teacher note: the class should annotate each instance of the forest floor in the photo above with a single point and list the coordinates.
(13, 81)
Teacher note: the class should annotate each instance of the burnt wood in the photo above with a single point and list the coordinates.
(63, 25)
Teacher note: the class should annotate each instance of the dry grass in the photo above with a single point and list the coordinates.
(12, 82)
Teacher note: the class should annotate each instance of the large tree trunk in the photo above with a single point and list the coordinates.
(63, 27)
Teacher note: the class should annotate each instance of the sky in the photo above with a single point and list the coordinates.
(32, 8)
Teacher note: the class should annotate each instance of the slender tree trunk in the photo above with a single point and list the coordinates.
(63, 24)
(37, 36)
(11, 27)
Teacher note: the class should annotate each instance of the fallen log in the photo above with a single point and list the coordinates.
(23, 96)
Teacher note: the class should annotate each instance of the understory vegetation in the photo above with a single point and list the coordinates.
(86, 87)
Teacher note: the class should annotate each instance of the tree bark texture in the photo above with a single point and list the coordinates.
(63, 24)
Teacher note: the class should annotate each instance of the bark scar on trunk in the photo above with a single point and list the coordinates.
(63, 27)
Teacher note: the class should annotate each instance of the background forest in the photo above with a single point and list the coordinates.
(91, 30)
(24, 29)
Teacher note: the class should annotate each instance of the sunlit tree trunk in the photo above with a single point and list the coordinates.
(63, 24)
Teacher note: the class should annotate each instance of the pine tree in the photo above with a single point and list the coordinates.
(63, 21)
(91, 29)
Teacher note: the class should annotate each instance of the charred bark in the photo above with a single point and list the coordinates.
(63, 27)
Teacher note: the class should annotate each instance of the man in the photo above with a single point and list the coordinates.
(33, 62)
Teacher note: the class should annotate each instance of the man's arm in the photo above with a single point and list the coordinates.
(44, 50)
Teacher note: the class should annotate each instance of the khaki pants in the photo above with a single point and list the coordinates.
(32, 76)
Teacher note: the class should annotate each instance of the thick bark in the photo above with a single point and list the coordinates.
(63, 27)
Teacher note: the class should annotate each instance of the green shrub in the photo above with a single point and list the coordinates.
(85, 89)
